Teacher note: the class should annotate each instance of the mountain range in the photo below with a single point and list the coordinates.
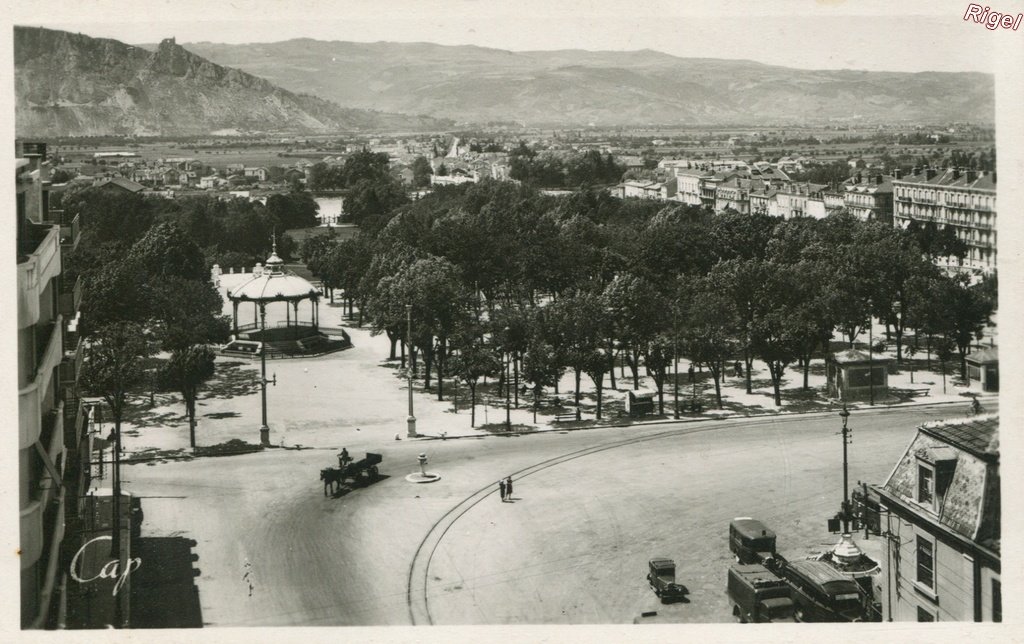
(73, 85)
(574, 87)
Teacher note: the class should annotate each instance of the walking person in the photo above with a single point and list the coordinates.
(502, 489)
(691, 373)
(508, 488)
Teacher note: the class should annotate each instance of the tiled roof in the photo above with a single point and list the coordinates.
(945, 178)
(978, 435)
(987, 355)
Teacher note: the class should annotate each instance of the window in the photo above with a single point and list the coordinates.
(925, 484)
(925, 562)
(924, 615)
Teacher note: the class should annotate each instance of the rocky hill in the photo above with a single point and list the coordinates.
(476, 84)
(72, 84)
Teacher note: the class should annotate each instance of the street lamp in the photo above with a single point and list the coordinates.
(264, 428)
(411, 421)
(508, 413)
(845, 415)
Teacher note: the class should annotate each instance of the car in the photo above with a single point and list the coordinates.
(662, 578)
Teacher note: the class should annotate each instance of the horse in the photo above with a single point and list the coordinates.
(333, 477)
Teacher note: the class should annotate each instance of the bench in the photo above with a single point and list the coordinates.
(919, 393)
(566, 417)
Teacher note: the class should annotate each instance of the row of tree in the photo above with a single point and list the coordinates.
(551, 170)
(147, 290)
(499, 274)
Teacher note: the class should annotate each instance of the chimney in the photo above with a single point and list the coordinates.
(897, 174)
(993, 176)
(858, 177)
(930, 173)
(971, 175)
(916, 170)
(878, 180)
(956, 173)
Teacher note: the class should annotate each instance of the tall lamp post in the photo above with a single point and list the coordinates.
(264, 428)
(508, 413)
(845, 415)
(411, 421)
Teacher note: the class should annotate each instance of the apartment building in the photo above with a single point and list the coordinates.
(869, 198)
(961, 198)
(49, 359)
(939, 513)
(801, 200)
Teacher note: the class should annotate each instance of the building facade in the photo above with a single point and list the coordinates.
(49, 359)
(939, 510)
(962, 199)
(869, 198)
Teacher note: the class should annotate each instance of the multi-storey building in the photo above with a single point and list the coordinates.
(939, 511)
(801, 200)
(49, 357)
(688, 182)
(869, 198)
(733, 194)
(962, 199)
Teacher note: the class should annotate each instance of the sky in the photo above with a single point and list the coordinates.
(825, 34)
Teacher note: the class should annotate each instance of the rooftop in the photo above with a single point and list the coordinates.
(952, 177)
(977, 435)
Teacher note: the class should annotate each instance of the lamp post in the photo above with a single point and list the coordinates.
(411, 421)
(264, 428)
(508, 413)
(845, 415)
(871, 362)
(675, 380)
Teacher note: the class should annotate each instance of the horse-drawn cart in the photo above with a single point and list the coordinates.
(365, 469)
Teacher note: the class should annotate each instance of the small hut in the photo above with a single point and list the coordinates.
(858, 375)
(983, 368)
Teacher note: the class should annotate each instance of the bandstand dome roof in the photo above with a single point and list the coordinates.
(274, 284)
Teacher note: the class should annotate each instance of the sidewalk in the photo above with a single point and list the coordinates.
(358, 399)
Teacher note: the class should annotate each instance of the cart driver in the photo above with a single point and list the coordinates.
(343, 458)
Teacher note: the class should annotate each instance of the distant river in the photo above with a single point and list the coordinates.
(330, 209)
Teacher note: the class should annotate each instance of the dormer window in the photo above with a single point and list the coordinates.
(925, 484)
(935, 468)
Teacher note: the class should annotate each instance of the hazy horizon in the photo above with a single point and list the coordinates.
(873, 36)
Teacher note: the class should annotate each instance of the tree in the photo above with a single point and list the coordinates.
(542, 366)
(293, 210)
(186, 370)
(776, 332)
(185, 312)
(166, 251)
(113, 367)
(633, 312)
(580, 323)
(474, 359)
(707, 336)
(421, 172)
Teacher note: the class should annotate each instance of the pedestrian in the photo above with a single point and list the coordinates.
(691, 373)
(738, 369)
(502, 489)
(508, 488)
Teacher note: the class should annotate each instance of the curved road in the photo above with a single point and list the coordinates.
(591, 507)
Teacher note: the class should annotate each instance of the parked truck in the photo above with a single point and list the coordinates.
(817, 592)
(758, 595)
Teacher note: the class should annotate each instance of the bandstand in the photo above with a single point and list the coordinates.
(292, 337)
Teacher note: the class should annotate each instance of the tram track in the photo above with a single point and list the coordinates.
(417, 595)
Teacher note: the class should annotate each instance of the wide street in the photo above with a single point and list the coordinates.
(590, 507)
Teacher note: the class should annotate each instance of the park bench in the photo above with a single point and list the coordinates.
(919, 393)
(566, 416)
